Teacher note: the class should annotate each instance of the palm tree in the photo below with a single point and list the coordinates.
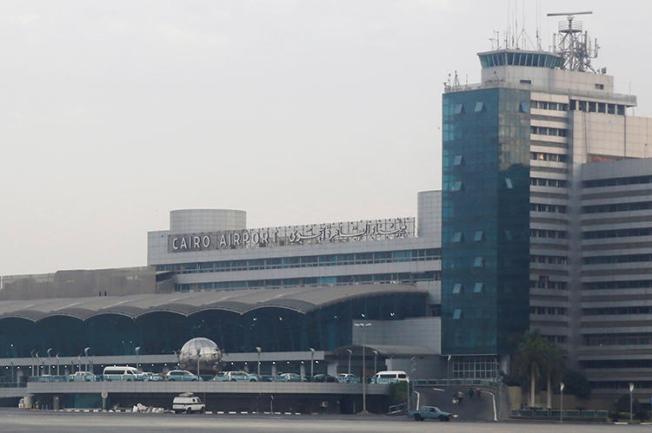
(536, 357)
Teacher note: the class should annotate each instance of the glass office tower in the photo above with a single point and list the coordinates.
(485, 216)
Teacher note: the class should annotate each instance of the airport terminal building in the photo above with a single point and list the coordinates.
(289, 292)
(544, 222)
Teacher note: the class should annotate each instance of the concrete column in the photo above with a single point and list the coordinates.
(302, 370)
(274, 369)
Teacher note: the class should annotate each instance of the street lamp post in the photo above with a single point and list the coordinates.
(198, 359)
(86, 350)
(562, 385)
(58, 364)
(631, 402)
(49, 352)
(364, 326)
(350, 352)
(137, 350)
(375, 361)
(258, 350)
(312, 363)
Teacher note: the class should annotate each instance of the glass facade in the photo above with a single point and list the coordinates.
(287, 262)
(161, 332)
(389, 278)
(487, 192)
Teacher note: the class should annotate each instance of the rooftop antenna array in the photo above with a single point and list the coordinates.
(574, 44)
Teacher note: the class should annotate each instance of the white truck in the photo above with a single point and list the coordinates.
(188, 403)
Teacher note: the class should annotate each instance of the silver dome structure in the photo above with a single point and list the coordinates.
(201, 352)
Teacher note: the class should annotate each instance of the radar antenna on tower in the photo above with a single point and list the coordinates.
(574, 44)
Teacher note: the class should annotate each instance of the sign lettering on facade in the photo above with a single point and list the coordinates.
(354, 231)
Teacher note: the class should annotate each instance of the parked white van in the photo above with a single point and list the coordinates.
(188, 403)
(117, 372)
(385, 377)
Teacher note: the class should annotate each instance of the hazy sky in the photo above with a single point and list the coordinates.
(298, 111)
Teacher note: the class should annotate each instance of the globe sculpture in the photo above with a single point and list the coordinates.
(200, 354)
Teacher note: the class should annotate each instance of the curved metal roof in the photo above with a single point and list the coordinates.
(299, 299)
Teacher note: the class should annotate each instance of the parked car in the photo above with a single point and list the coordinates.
(240, 376)
(386, 377)
(188, 403)
(348, 378)
(181, 376)
(289, 377)
(324, 378)
(220, 377)
(269, 378)
(149, 376)
(117, 372)
(430, 412)
(82, 376)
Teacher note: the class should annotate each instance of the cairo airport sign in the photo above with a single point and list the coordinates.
(353, 231)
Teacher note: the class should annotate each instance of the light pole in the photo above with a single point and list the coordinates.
(49, 352)
(312, 363)
(198, 358)
(562, 385)
(86, 350)
(259, 350)
(631, 402)
(58, 364)
(350, 352)
(137, 350)
(364, 326)
(31, 353)
(375, 361)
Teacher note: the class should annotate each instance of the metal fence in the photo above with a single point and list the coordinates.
(568, 415)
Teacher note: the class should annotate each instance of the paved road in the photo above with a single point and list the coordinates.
(13, 421)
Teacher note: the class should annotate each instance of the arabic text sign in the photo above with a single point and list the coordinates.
(392, 228)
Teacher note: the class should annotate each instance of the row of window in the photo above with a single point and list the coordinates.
(550, 311)
(540, 60)
(458, 288)
(551, 260)
(549, 234)
(475, 367)
(543, 130)
(617, 207)
(597, 107)
(553, 157)
(391, 278)
(554, 106)
(617, 363)
(480, 107)
(478, 236)
(634, 339)
(617, 181)
(542, 181)
(607, 285)
(552, 208)
(305, 261)
(619, 233)
(560, 339)
(629, 258)
(458, 185)
(634, 309)
(544, 282)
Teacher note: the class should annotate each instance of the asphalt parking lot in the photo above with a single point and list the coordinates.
(19, 421)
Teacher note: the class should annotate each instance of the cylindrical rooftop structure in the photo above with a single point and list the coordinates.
(207, 220)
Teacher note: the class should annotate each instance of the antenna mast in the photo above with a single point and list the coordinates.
(574, 44)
